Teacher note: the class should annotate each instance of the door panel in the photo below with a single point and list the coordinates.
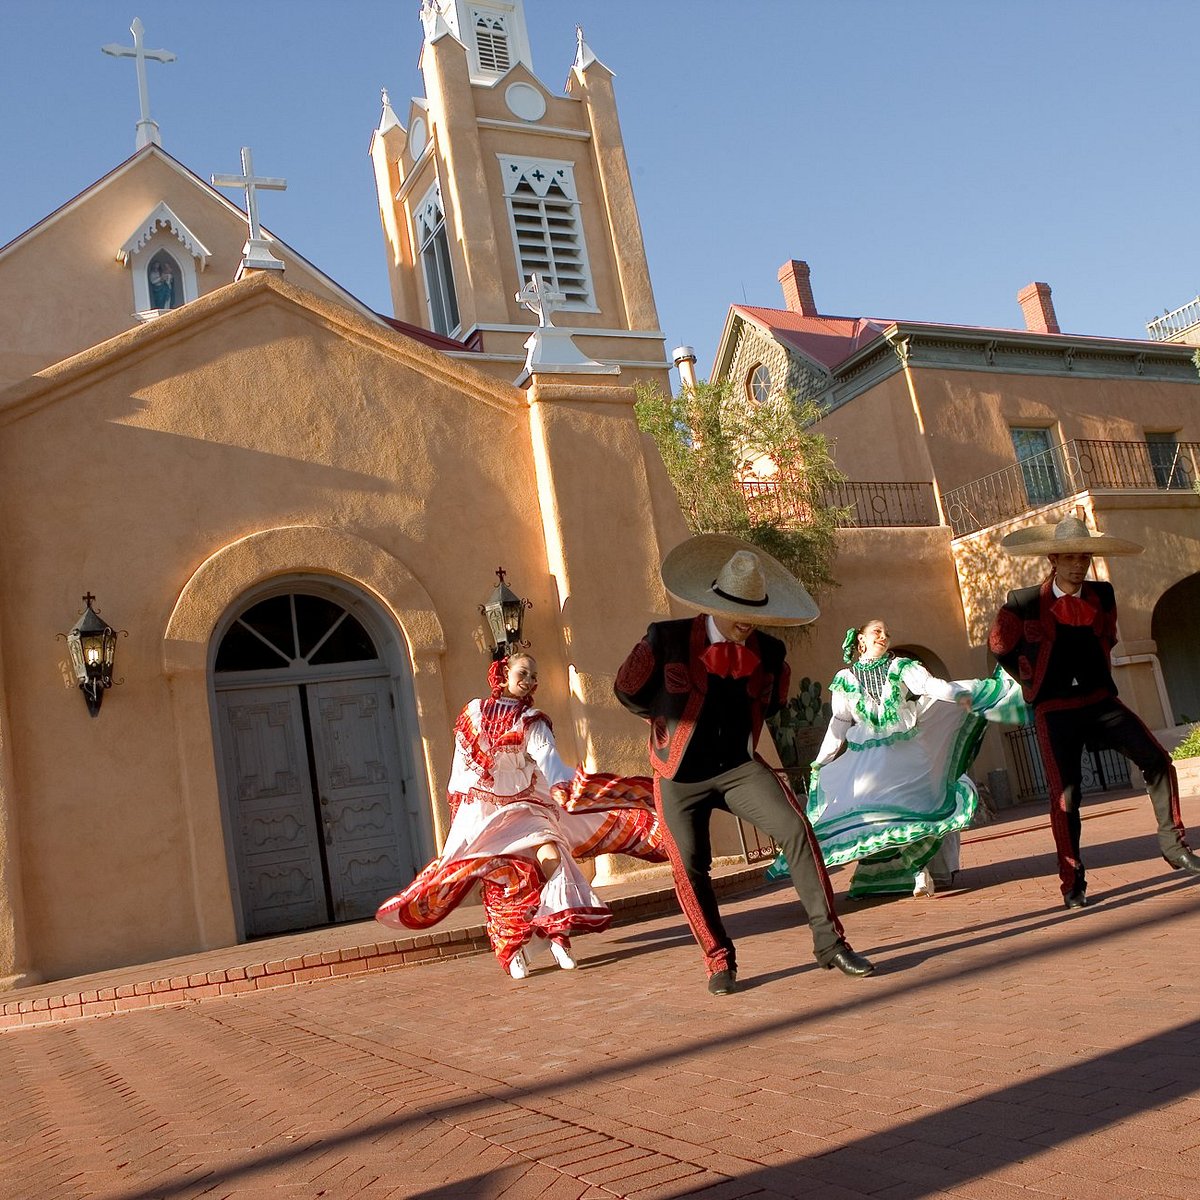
(364, 818)
(275, 832)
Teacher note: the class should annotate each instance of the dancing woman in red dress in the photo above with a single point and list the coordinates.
(521, 818)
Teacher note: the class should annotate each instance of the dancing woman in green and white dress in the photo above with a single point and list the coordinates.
(898, 789)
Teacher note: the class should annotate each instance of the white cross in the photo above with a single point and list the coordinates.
(249, 183)
(540, 299)
(147, 130)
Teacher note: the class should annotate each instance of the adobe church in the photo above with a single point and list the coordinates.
(289, 508)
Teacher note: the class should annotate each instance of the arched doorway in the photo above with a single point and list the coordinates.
(930, 661)
(315, 735)
(1174, 629)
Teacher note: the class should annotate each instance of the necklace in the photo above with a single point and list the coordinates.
(872, 676)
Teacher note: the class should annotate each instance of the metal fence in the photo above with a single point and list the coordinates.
(1080, 465)
(884, 505)
(866, 505)
(1103, 770)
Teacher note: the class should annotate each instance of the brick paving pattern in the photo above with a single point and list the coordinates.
(1004, 1048)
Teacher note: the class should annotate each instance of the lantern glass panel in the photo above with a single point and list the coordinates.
(495, 618)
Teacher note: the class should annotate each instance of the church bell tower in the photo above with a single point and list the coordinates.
(493, 177)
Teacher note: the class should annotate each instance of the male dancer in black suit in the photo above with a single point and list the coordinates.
(1056, 639)
(706, 684)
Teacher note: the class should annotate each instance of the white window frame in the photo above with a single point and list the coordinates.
(429, 220)
(541, 193)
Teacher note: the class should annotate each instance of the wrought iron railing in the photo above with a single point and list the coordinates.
(1080, 465)
(1103, 770)
(865, 505)
(1172, 324)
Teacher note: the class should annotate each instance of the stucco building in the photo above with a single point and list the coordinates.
(291, 508)
(952, 436)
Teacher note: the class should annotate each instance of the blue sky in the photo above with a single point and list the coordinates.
(928, 159)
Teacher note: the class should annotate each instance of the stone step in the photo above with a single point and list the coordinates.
(1188, 770)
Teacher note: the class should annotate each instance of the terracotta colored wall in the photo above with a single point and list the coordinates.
(65, 288)
(225, 420)
(875, 436)
(968, 416)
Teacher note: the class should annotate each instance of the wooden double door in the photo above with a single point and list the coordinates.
(322, 818)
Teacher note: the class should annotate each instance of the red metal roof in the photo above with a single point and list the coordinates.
(436, 340)
(827, 340)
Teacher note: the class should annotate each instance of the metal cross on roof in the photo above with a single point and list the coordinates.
(147, 129)
(541, 299)
(257, 251)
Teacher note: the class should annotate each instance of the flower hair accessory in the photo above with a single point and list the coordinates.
(849, 644)
(497, 675)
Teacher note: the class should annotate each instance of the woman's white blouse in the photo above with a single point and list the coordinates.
(846, 724)
(513, 767)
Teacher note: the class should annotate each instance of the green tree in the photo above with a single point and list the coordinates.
(754, 470)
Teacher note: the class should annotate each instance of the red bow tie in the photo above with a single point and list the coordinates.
(730, 659)
(1070, 610)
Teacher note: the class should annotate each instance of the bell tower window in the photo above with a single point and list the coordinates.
(434, 250)
(543, 210)
(491, 42)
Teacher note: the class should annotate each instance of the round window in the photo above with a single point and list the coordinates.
(758, 384)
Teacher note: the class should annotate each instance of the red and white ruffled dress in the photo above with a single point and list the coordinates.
(505, 764)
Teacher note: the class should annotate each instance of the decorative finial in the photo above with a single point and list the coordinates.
(147, 129)
(387, 100)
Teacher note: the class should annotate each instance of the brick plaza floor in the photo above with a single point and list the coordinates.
(1004, 1048)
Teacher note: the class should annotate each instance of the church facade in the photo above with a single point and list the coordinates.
(290, 508)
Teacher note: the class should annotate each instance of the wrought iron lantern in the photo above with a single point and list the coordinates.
(505, 612)
(92, 645)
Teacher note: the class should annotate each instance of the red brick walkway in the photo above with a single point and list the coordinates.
(1005, 1048)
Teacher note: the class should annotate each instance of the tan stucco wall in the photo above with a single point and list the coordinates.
(968, 415)
(256, 432)
(906, 577)
(967, 418)
(66, 290)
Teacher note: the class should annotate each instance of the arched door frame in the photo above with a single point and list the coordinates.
(214, 587)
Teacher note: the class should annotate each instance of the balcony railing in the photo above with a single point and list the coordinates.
(1172, 324)
(1079, 465)
(867, 505)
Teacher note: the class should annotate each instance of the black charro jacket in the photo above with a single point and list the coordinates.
(664, 681)
(1024, 632)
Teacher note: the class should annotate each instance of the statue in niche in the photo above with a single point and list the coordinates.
(163, 278)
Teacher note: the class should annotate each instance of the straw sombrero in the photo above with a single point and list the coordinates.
(1070, 536)
(724, 575)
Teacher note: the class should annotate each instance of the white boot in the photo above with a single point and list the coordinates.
(518, 968)
(924, 885)
(562, 956)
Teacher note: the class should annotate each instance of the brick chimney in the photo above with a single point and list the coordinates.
(1038, 309)
(797, 290)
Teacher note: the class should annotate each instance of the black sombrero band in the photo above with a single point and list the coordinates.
(738, 599)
